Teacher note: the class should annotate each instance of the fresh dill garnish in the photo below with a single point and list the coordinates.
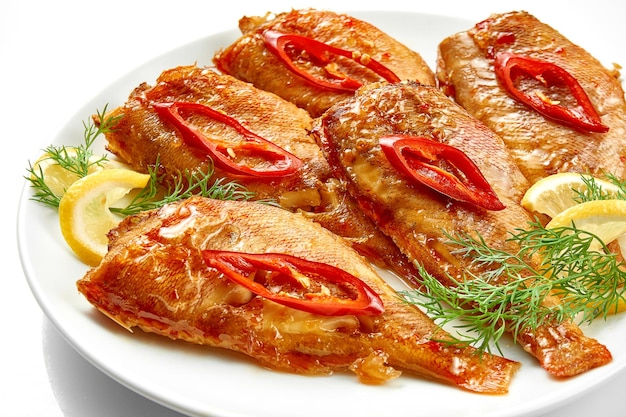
(594, 191)
(510, 295)
(76, 160)
(183, 186)
(591, 282)
(80, 160)
(507, 298)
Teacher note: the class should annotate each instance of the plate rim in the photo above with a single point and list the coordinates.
(43, 300)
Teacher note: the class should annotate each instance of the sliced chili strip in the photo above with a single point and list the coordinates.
(582, 115)
(441, 167)
(277, 42)
(298, 283)
(277, 162)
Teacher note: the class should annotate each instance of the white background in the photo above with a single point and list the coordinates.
(56, 55)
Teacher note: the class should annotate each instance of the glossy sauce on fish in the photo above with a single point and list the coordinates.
(419, 219)
(141, 138)
(539, 145)
(249, 59)
(154, 278)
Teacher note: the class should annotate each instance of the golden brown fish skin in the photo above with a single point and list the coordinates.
(140, 138)
(248, 59)
(540, 146)
(154, 278)
(413, 214)
(420, 220)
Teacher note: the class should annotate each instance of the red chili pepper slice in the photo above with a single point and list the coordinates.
(581, 115)
(441, 167)
(298, 283)
(276, 162)
(277, 42)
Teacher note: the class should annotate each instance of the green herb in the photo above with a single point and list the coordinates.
(506, 298)
(76, 160)
(80, 160)
(594, 191)
(510, 295)
(184, 186)
(591, 282)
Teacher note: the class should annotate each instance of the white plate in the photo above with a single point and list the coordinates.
(205, 381)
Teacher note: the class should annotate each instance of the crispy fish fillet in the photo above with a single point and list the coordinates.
(140, 138)
(419, 219)
(154, 278)
(249, 59)
(540, 146)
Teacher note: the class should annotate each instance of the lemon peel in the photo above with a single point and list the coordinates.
(84, 214)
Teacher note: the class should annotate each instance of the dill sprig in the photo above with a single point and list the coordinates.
(594, 191)
(80, 160)
(183, 186)
(76, 160)
(510, 295)
(507, 297)
(592, 282)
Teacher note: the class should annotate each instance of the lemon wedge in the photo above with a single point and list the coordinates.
(555, 196)
(57, 178)
(84, 214)
(555, 193)
(604, 218)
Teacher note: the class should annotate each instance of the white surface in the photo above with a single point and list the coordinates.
(198, 382)
(58, 56)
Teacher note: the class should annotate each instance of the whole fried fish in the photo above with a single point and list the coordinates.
(421, 220)
(249, 58)
(142, 138)
(154, 277)
(540, 145)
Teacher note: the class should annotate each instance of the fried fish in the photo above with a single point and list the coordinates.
(156, 277)
(542, 58)
(143, 138)
(311, 75)
(420, 219)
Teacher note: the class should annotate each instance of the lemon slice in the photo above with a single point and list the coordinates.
(604, 218)
(84, 214)
(555, 193)
(554, 196)
(57, 178)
